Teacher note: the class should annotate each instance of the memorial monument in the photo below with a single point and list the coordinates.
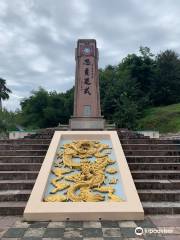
(85, 175)
(87, 110)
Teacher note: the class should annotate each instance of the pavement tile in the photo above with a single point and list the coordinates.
(39, 224)
(172, 237)
(56, 225)
(53, 239)
(74, 224)
(2, 231)
(111, 232)
(153, 238)
(14, 233)
(165, 221)
(92, 232)
(92, 224)
(172, 230)
(11, 238)
(94, 238)
(31, 238)
(113, 238)
(146, 223)
(73, 233)
(127, 224)
(21, 224)
(110, 224)
(139, 238)
(128, 232)
(54, 233)
(34, 232)
(8, 221)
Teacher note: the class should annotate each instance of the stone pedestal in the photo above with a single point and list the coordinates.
(84, 123)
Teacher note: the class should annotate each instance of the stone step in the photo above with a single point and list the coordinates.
(126, 147)
(17, 208)
(157, 184)
(152, 153)
(22, 159)
(161, 174)
(149, 141)
(20, 166)
(16, 184)
(14, 195)
(140, 184)
(22, 152)
(156, 174)
(145, 195)
(12, 208)
(18, 175)
(154, 166)
(130, 134)
(133, 166)
(130, 159)
(24, 146)
(159, 195)
(123, 141)
(161, 207)
(152, 159)
(151, 147)
(25, 141)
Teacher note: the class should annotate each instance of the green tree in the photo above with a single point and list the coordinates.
(4, 91)
(167, 85)
(119, 95)
(7, 121)
(46, 109)
(142, 70)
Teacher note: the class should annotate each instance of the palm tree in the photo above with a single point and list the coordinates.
(4, 91)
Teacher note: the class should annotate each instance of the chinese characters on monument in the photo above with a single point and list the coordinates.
(87, 111)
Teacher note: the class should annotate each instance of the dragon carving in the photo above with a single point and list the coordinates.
(84, 180)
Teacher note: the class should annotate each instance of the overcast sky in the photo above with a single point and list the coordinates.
(38, 37)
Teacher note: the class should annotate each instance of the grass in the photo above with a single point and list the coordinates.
(163, 119)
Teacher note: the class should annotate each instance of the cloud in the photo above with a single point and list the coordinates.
(38, 38)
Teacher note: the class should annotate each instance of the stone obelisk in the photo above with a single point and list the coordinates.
(87, 110)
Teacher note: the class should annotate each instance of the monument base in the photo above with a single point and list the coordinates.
(85, 123)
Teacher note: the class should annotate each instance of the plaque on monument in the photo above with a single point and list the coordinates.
(87, 110)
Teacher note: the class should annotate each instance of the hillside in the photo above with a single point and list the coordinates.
(163, 119)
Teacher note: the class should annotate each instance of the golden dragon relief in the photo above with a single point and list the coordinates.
(86, 180)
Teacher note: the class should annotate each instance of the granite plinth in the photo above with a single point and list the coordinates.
(87, 123)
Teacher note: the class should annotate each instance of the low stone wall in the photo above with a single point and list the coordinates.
(18, 134)
(151, 134)
(170, 135)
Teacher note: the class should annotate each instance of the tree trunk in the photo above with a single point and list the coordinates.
(0, 104)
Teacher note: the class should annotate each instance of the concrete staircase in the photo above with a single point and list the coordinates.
(154, 164)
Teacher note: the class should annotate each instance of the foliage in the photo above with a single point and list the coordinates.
(167, 86)
(119, 95)
(46, 109)
(7, 121)
(4, 91)
(163, 119)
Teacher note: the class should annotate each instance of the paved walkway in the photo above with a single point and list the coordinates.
(14, 228)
